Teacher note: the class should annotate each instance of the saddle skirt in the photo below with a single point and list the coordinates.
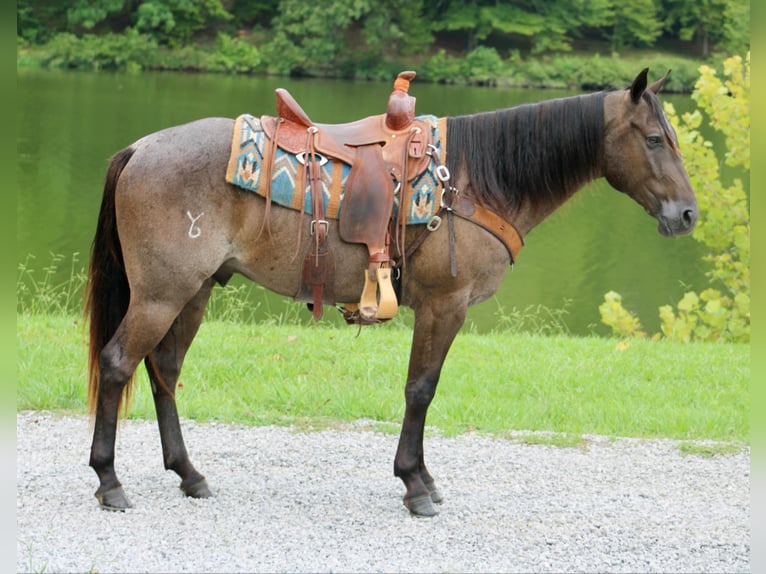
(250, 152)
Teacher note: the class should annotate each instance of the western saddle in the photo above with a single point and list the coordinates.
(380, 149)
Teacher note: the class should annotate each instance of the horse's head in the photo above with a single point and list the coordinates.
(642, 159)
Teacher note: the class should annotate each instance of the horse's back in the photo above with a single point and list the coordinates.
(199, 140)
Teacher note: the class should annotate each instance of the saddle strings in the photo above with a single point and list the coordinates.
(404, 198)
(306, 177)
(267, 174)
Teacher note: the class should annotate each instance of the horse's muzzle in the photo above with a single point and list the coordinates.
(677, 218)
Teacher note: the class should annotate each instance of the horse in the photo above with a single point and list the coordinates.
(170, 228)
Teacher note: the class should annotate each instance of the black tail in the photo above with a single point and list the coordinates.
(107, 292)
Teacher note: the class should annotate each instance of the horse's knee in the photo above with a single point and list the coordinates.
(420, 392)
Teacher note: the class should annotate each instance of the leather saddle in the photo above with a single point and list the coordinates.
(385, 152)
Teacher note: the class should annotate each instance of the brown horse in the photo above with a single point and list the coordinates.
(170, 227)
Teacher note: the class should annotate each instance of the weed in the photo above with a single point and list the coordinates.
(708, 450)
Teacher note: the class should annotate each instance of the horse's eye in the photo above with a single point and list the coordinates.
(654, 141)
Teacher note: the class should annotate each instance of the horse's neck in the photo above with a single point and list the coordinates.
(540, 155)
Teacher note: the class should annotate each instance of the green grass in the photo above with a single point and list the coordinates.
(319, 376)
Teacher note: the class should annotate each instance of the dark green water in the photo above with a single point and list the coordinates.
(70, 123)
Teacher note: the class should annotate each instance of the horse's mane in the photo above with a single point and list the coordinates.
(533, 155)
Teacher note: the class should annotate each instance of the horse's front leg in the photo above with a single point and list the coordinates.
(436, 325)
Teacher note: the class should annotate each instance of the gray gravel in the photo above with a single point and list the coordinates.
(290, 501)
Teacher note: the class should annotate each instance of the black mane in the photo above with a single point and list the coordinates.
(533, 154)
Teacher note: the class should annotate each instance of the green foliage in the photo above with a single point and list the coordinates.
(721, 312)
(38, 292)
(735, 33)
(635, 24)
(366, 39)
(234, 55)
(618, 318)
(534, 319)
(38, 21)
(131, 51)
(402, 27)
(176, 21)
(441, 68)
(90, 13)
(397, 28)
(710, 22)
(309, 37)
(709, 316)
(482, 66)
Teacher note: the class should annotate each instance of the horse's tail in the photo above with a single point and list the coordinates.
(107, 292)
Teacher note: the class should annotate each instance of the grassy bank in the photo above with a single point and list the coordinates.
(499, 383)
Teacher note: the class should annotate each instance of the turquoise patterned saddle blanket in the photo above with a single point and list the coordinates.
(246, 170)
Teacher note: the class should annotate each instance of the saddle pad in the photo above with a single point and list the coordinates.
(246, 169)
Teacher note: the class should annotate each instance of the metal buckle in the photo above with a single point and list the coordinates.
(442, 173)
(320, 222)
(301, 157)
(434, 224)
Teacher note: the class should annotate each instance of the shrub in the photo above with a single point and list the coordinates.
(482, 66)
(234, 55)
(130, 50)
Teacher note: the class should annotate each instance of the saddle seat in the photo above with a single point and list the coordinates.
(341, 141)
(380, 149)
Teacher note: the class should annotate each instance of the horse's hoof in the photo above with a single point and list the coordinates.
(113, 499)
(436, 495)
(421, 506)
(198, 489)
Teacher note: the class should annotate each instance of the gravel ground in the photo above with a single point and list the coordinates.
(288, 501)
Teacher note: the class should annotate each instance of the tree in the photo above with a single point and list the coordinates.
(310, 36)
(39, 20)
(397, 27)
(176, 21)
(709, 21)
(634, 23)
(89, 13)
(722, 311)
(479, 18)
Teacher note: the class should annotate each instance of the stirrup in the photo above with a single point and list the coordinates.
(368, 304)
(387, 306)
(378, 299)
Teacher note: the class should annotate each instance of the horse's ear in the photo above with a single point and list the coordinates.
(657, 86)
(638, 86)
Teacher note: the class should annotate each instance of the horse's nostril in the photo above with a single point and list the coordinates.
(689, 216)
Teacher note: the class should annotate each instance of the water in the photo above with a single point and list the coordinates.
(70, 123)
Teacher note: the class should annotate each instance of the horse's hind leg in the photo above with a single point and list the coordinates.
(142, 328)
(436, 325)
(164, 366)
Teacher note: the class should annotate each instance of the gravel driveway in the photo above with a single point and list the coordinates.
(288, 501)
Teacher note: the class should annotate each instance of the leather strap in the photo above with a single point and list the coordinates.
(318, 259)
(492, 222)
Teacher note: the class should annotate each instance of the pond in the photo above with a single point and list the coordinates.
(70, 123)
